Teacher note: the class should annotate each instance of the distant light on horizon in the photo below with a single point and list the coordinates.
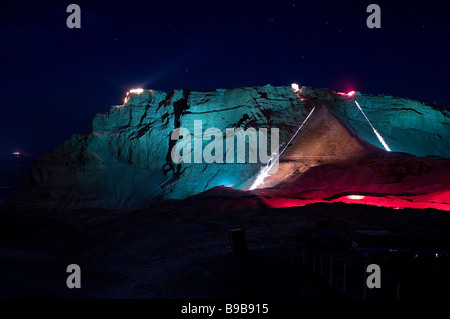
(351, 93)
(295, 87)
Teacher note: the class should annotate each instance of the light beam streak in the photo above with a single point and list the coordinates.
(380, 138)
(265, 171)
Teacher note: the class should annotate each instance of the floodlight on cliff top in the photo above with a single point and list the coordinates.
(135, 91)
(349, 94)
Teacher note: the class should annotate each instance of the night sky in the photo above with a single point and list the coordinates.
(55, 79)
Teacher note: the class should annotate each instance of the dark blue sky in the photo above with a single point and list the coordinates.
(55, 79)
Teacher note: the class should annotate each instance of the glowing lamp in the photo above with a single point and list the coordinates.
(135, 91)
(295, 87)
(355, 197)
(351, 93)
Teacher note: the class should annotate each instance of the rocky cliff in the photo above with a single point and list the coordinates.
(125, 161)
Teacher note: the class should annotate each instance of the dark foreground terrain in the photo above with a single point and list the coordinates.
(181, 249)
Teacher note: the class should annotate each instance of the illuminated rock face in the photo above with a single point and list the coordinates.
(124, 162)
(407, 126)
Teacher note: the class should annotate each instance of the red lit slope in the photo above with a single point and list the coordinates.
(328, 162)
